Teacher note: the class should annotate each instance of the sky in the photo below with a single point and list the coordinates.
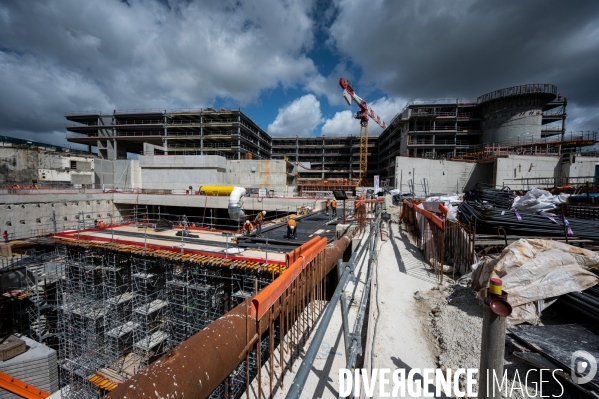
(280, 61)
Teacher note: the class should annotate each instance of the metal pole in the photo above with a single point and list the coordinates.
(491, 354)
(302, 374)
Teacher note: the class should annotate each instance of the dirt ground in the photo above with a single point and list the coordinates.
(452, 320)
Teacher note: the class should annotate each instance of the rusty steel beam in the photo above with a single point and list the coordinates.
(196, 368)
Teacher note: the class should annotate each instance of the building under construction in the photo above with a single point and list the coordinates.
(438, 128)
(229, 133)
(151, 283)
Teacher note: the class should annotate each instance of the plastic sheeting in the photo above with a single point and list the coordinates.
(538, 200)
(535, 273)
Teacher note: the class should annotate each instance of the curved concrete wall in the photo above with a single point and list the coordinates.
(512, 125)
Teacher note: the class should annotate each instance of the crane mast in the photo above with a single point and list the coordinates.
(363, 114)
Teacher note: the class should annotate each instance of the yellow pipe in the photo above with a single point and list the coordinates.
(216, 190)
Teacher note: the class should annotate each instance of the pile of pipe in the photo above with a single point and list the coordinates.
(585, 302)
(491, 212)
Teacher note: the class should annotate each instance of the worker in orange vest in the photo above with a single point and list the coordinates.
(258, 222)
(334, 207)
(328, 205)
(291, 229)
(248, 227)
(5, 235)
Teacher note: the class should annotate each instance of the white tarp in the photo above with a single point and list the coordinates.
(535, 273)
(538, 200)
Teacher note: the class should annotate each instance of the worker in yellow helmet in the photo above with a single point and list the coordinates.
(291, 229)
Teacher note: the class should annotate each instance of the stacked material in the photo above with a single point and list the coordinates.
(500, 198)
(37, 366)
(491, 210)
(586, 303)
(557, 350)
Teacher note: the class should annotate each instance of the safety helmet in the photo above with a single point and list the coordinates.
(264, 212)
(247, 222)
(292, 227)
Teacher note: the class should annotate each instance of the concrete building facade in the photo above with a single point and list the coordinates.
(451, 128)
(228, 133)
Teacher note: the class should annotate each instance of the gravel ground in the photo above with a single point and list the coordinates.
(452, 319)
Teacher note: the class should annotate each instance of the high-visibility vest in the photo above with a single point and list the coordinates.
(248, 227)
(291, 223)
(259, 218)
(328, 203)
(334, 204)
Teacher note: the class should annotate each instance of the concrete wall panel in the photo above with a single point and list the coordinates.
(509, 171)
(443, 176)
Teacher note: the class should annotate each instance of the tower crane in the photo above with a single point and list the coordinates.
(362, 115)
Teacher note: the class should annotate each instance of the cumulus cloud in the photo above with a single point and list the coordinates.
(148, 54)
(341, 124)
(300, 117)
(329, 86)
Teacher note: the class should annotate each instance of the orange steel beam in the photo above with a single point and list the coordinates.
(429, 215)
(444, 210)
(269, 295)
(21, 388)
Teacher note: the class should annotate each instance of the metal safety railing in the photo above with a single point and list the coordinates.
(426, 231)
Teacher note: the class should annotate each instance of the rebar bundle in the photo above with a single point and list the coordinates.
(487, 219)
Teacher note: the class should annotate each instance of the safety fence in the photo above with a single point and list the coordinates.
(442, 242)
(459, 247)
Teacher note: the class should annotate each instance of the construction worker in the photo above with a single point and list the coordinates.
(334, 207)
(5, 235)
(291, 229)
(258, 220)
(328, 205)
(247, 228)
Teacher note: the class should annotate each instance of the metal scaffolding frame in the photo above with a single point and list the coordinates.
(120, 311)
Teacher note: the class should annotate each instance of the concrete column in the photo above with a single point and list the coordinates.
(201, 133)
(239, 136)
(296, 149)
(564, 118)
(323, 158)
(165, 122)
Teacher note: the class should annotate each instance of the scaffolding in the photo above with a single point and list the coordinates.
(81, 322)
(149, 316)
(116, 282)
(120, 310)
(195, 296)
